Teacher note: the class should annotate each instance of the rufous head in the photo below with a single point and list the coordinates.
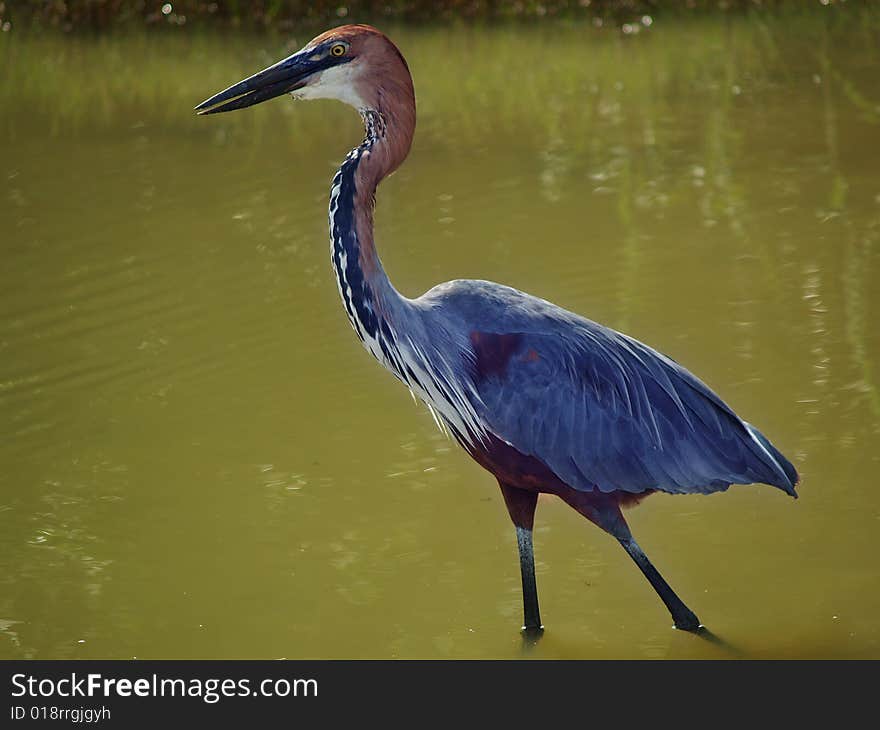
(355, 64)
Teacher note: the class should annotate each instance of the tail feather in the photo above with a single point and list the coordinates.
(787, 476)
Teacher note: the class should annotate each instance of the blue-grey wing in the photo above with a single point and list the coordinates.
(604, 411)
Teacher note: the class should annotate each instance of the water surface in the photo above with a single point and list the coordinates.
(199, 460)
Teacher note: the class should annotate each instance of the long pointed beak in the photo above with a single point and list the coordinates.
(288, 75)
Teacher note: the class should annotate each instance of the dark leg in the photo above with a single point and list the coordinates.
(604, 510)
(682, 616)
(531, 614)
(521, 504)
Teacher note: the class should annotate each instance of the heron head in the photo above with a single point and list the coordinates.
(355, 64)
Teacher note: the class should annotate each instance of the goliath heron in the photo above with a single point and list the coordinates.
(545, 400)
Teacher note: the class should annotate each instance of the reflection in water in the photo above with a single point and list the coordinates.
(530, 640)
(712, 638)
(199, 460)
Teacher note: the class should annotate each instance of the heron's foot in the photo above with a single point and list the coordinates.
(531, 637)
(687, 621)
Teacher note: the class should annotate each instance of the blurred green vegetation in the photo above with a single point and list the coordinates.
(69, 15)
(74, 82)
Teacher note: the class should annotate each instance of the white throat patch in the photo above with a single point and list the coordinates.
(337, 82)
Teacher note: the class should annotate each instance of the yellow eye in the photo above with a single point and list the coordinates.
(337, 50)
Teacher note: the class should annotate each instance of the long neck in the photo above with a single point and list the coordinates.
(380, 316)
(370, 300)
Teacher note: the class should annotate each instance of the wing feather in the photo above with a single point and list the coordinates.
(606, 412)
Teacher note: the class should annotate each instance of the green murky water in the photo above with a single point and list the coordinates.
(199, 460)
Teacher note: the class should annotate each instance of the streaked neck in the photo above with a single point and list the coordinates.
(386, 322)
(370, 300)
